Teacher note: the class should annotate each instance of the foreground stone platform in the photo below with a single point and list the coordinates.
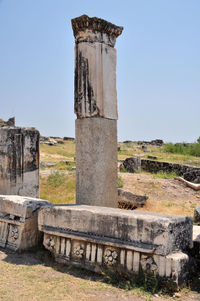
(98, 238)
(19, 222)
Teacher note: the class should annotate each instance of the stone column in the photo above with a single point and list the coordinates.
(95, 104)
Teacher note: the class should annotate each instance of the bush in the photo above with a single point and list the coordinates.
(192, 149)
(55, 179)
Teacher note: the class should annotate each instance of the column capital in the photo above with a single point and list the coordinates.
(94, 29)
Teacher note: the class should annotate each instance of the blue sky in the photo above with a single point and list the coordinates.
(158, 65)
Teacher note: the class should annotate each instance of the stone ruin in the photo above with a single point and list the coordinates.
(19, 161)
(90, 234)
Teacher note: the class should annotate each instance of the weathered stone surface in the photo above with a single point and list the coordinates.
(180, 264)
(129, 200)
(132, 164)
(192, 176)
(150, 232)
(95, 68)
(98, 238)
(19, 221)
(19, 161)
(197, 215)
(94, 29)
(96, 162)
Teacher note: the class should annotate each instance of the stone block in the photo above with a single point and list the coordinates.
(99, 238)
(95, 81)
(129, 200)
(19, 161)
(19, 222)
(139, 231)
(96, 162)
(197, 215)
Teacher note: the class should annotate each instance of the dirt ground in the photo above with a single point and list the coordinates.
(32, 276)
(167, 196)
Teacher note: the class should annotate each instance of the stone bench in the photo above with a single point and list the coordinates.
(19, 222)
(97, 238)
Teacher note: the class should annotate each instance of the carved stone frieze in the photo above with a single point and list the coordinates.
(78, 252)
(110, 257)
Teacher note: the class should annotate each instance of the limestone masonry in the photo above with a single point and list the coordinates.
(19, 161)
(97, 238)
(95, 104)
(19, 222)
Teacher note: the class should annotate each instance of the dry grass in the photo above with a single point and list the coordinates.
(58, 188)
(165, 195)
(28, 277)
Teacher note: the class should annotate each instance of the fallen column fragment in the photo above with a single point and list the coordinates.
(19, 222)
(98, 238)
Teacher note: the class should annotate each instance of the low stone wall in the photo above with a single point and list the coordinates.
(98, 238)
(19, 222)
(132, 164)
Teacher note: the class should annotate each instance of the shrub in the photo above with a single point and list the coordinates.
(192, 149)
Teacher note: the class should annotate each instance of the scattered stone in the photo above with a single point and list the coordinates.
(10, 122)
(47, 140)
(43, 164)
(192, 176)
(127, 141)
(60, 141)
(132, 164)
(144, 148)
(128, 200)
(68, 139)
(156, 142)
(189, 184)
(152, 157)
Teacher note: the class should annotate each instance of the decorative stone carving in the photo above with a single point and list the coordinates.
(79, 252)
(148, 265)
(110, 257)
(50, 242)
(14, 233)
(18, 222)
(121, 240)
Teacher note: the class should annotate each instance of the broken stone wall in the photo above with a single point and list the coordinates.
(132, 164)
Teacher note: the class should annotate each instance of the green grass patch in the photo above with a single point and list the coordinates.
(192, 149)
(120, 182)
(164, 175)
(64, 165)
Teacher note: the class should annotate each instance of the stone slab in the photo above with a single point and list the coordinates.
(140, 231)
(19, 221)
(96, 162)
